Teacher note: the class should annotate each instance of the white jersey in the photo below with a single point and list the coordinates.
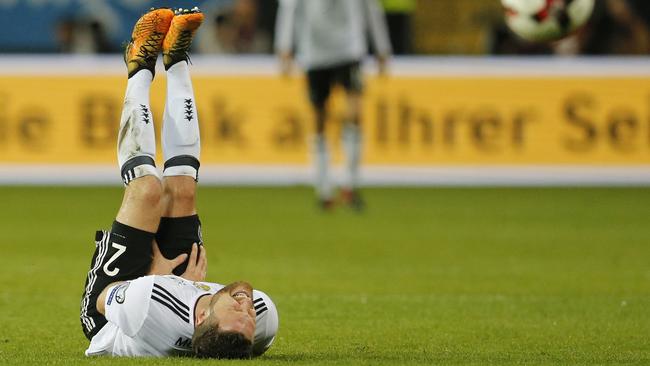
(154, 316)
(330, 32)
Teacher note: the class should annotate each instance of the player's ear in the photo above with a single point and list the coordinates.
(202, 315)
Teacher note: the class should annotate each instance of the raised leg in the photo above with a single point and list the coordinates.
(180, 226)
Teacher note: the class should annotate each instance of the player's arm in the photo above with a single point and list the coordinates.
(376, 21)
(126, 303)
(161, 266)
(101, 300)
(196, 270)
(284, 30)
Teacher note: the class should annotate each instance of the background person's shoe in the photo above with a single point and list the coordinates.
(326, 205)
(352, 198)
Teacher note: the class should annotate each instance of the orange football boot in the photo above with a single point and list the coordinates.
(177, 43)
(146, 40)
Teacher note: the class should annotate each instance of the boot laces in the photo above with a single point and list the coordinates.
(182, 45)
(149, 49)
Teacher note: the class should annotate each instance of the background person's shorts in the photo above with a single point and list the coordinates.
(321, 80)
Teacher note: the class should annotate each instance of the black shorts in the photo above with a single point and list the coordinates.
(176, 235)
(121, 254)
(321, 80)
(125, 253)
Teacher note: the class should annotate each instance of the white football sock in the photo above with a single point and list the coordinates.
(181, 140)
(352, 146)
(321, 159)
(136, 140)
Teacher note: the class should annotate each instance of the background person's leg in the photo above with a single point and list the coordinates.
(321, 156)
(319, 90)
(352, 141)
(351, 79)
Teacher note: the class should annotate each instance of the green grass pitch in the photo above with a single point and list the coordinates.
(426, 276)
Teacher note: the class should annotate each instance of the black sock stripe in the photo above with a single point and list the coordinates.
(173, 309)
(130, 165)
(173, 298)
(181, 160)
(259, 305)
(261, 311)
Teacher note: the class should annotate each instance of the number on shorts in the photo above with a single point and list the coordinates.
(120, 250)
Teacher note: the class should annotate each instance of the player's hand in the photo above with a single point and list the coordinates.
(162, 266)
(196, 268)
(286, 63)
(382, 65)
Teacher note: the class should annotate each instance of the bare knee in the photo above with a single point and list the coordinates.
(179, 196)
(141, 207)
(146, 190)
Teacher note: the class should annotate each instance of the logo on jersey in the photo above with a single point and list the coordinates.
(183, 343)
(201, 286)
(120, 294)
(110, 296)
(117, 293)
(179, 280)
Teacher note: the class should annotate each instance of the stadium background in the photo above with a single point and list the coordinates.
(538, 275)
(578, 120)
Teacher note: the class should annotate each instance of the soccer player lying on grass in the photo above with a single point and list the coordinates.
(132, 304)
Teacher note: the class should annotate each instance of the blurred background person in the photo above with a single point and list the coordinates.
(235, 29)
(441, 27)
(329, 38)
(82, 36)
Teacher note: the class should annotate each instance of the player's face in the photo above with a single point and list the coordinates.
(233, 309)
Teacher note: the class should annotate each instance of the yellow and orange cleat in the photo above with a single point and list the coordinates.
(179, 37)
(146, 40)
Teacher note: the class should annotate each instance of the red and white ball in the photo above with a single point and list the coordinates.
(546, 20)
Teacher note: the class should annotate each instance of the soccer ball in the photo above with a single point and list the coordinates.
(546, 20)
